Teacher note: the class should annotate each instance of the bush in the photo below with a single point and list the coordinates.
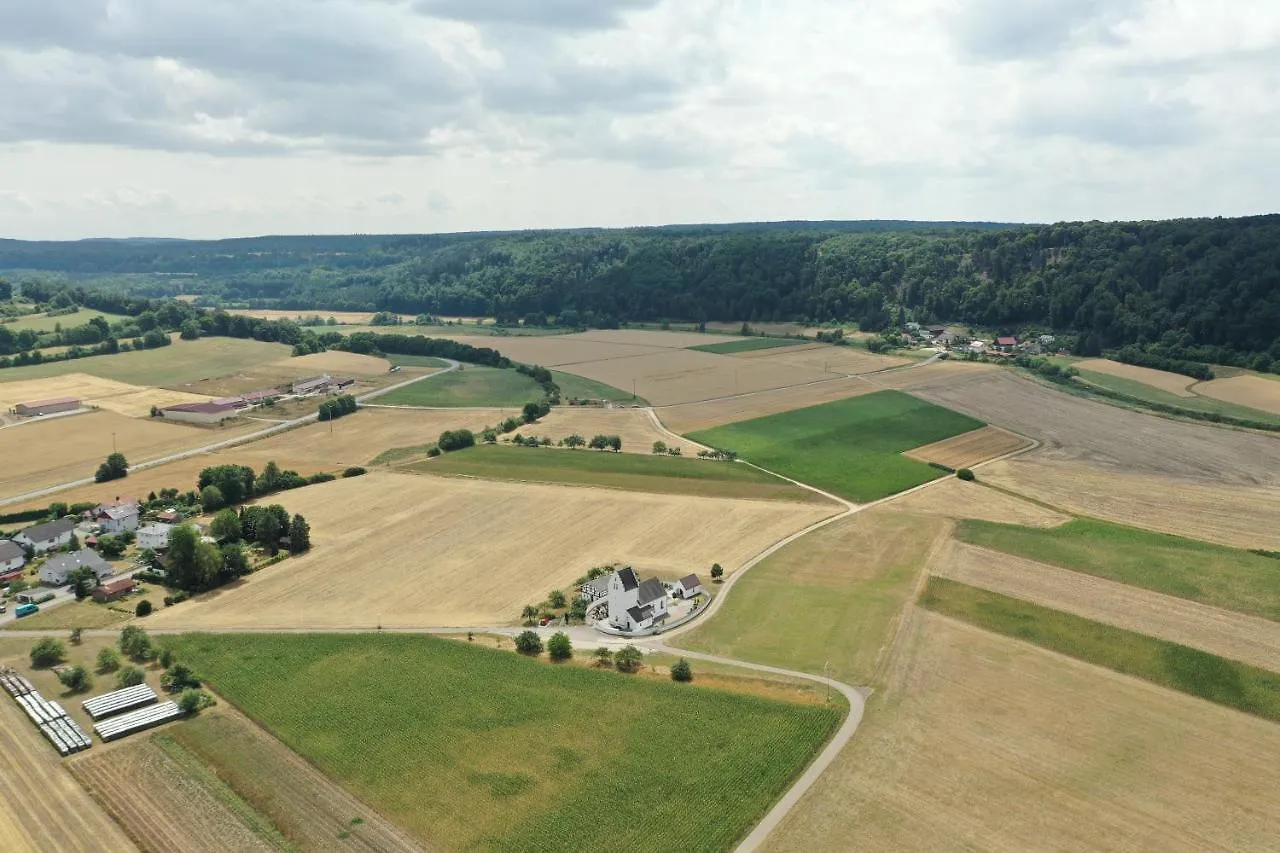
(559, 647)
(603, 656)
(108, 660)
(628, 659)
(143, 609)
(130, 676)
(353, 471)
(557, 599)
(48, 652)
(681, 671)
(455, 439)
(194, 701)
(433, 451)
(965, 474)
(136, 645)
(529, 643)
(179, 677)
(76, 679)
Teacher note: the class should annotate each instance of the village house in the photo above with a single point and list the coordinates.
(113, 590)
(35, 408)
(687, 587)
(154, 536)
(1006, 343)
(12, 558)
(57, 570)
(635, 605)
(48, 536)
(116, 516)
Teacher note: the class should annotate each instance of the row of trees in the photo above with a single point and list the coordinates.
(339, 406)
(627, 659)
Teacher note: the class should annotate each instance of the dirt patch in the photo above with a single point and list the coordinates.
(337, 363)
(42, 808)
(953, 498)
(691, 417)
(970, 448)
(407, 551)
(1238, 516)
(133, 401)
(633, 426)
(1172, 383)
(1247, 390)
(982, 742)
(1237, 636)
(1080, 430)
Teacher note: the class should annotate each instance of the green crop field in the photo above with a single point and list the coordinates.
(1199, 571)
(632, 471)
(746, 345)
(45, 323)
(473, 385)
(1151, 394)
(588, 389)
(851, 447)
(417, 361)
(478, 749)
(182, 361)
(1227, 682)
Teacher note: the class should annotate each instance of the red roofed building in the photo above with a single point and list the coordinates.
(1007, 342)
(112, 590)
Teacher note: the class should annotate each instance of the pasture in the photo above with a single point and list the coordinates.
(1199, 673)
(481, 749)
(572, 387)
(403, 550)
(1171, 565)
(745, 345)
(1174, 384)
(178, 363)
(133, 401)
(971, 448)
(978, 741)
(851, 448)
(829, 601)
(1225, 633)
(630, 472)
(471, 386)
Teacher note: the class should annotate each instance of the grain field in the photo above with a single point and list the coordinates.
(134, 401)
(337, 363)
(954, 498)
(633, 426)
(691, 417)
(1256, 392)
(1172, 383)
(971, 448)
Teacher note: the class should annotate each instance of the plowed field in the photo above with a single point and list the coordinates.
(964, 451)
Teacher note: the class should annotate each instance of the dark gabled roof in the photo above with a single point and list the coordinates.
(628, 577)
(49, 530)
(640, 614)
(77, 559)
(651, 590)
(9, 550)
(689, 582)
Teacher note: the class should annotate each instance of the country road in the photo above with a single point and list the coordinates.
(230, 442)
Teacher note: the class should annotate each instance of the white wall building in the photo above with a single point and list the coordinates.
(116, 517)
(154, 536)
(687, 587)
(635, 605)
(57, 570)
(12, 557)
(48, 536)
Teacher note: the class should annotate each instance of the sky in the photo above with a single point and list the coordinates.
(239, 117)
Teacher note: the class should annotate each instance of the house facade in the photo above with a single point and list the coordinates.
(687, 587)
(12, 557)
(117, 516)
(57, 570)
(635, 605)
(48, 536)
(154, 536)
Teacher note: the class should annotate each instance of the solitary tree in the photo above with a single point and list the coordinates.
(76, 679)
(529, 643)
(965, 474)
(628, 659)
(179, 677)
(111, 547)
(114, 468)
(615, 443)
(659, 448)
(574, 441)
(48, 652)
(681, 671)
(529, 613)
(108, 660)
(226, 525)
(717, 571)
(299, 535)
(83, 580)
(559, 647)
(135, 643)
(603, 656)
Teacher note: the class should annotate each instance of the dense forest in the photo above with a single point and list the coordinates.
(1203, 290)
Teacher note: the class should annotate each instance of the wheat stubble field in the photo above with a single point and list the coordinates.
(404, 550)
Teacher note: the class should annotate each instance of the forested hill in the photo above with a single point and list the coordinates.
(1184, 284)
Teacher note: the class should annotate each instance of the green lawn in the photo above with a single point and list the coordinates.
(477, 749)
(473, 385)
(1227, 682)
(851, 447)
(1151, 394)
(588, 389)
(746, 345)
(417, 361)
(828, 601)
(1198, 571)
(44, 323)
(182, 361)
(632, 471)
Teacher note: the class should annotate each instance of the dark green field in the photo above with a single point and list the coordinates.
(851, 447)
(572, 386)
(632, 471)
(746, 345)
(1227, 682)
(1210, 574)
(476, 749)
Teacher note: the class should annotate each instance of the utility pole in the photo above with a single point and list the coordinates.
(113, 442)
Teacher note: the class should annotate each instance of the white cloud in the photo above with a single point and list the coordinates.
(243, 116)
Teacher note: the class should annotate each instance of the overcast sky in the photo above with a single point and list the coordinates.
(236, 117)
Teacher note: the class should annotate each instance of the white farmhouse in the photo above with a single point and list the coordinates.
(12, 557)
(635, 605)
(116, 516)
(154, 536)
(57, 570)
(48, 536)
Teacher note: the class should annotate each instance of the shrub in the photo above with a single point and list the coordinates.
(965, 474)
(559, 647)
(628, 659)
(179, 677)
(135, 643)
(130, 676)
(455, 439)
(48, 652)
(143, 609)
(557, 599)
(529, 643)
(681, 671)
(108, 660)
(603, 656)
(167, 658)
(353, 471)
(193, 701)
(76, 679)
(433, 451)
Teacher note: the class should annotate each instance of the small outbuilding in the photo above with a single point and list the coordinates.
(35, 408)
(57, 570)
(687, 587)
(114, 590)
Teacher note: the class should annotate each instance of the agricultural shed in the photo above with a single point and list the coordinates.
(119, 701)
(199, 413)
(47, 407)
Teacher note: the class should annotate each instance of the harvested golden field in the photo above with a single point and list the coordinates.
(1239, 516)
(41, 806)
(970, 448)
(1237, 636)
(130, 400)
(1080, 430)
(634, 426)
(954, 498)
(161, 806)
(337, 363)
(938, 372)
(66, 449)
(827, 358)
(1172, 383)
(1255, 392)
(983, 742)
(690, 417)
(399, 550)
(651, 338)
(554, 350)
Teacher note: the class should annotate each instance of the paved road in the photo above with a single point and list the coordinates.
(230, 442)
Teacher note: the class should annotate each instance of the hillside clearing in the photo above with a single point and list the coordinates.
(971, 448)
(471, 386)
(482, 749)
(182, 361)
(1248, 639)
(446, 556)
(983, 742)
(851, 448)
(954, 498)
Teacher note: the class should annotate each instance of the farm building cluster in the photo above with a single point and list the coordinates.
(213, 412)
(636, 606)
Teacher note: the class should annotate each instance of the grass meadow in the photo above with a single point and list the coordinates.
(851, 447)
(416, 360)
(632, 471)
(572, 386)
(1227, 682)
(476, 749)
(473, 385)
(747, 345)
(1186, 568)
(182, 361)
